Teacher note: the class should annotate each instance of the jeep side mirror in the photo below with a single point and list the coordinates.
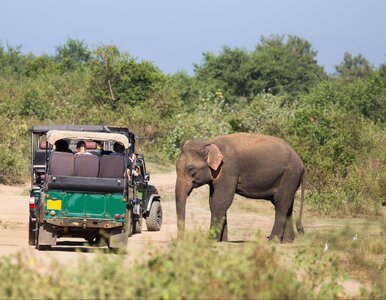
(147, 177)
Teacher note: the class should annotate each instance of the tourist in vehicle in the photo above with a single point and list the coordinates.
(99, 145)
(131, 161)
(118, 149)
(81, 148)
(137, 174)
(62, 146)
(101, 150)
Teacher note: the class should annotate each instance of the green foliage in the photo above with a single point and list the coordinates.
(284, 67)
(116, 78)
(13, 151)
(33, 105)
(325, 138)
(266, 114)
(359, 97)
(336, 124)
(185, 86)
(208, 120)
(72, 54)
(225, 72)
(192, 268)
(352, 67)
(12, 62)
(275, 66)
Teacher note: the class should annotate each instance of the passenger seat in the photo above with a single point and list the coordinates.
(86, 165)
(112, 166)
(61, 164)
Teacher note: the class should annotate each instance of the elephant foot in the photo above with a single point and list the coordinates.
(287, 241)
(224, 239)
(274, 238)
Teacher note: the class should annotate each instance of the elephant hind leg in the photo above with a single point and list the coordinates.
(283, 201)
(289, 233)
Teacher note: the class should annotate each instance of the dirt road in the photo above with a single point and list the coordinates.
(14, 224)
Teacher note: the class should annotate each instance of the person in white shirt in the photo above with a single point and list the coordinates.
(81, 148)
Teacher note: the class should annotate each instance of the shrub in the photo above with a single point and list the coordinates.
(13, 158)
(207, 120)
(192, 268)
(266, 114)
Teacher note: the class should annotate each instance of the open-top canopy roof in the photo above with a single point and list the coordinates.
(46, 128)
(42, 129)
(55, 135)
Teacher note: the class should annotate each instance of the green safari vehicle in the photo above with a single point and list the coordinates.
(79, 195)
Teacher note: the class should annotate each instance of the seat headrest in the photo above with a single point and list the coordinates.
(43, 145)
(91, 145)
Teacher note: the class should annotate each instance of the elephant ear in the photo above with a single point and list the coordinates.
(214, 157)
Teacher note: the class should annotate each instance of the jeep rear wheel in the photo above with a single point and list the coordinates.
(38, 245)
(129, 222)
(31, 232)
(154, 219)
(137, 224)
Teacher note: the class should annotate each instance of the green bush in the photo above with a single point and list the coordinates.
(192, 268)
(265, 114)
(207, 120)
(13, 158)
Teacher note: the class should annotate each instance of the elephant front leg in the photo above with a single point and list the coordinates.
(219, 201)
(219, 228)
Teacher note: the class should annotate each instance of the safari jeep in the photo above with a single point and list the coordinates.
(87, 196)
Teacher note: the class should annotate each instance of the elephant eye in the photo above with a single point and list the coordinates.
(191, 170)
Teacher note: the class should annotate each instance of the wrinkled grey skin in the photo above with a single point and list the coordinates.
(251, 165)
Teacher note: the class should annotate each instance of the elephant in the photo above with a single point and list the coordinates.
(252, 165)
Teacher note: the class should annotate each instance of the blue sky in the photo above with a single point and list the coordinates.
(173, 34)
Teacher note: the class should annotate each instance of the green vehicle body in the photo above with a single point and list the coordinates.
(79, 205)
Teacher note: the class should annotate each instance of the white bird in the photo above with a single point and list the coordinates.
(325, 247)
(355, 238)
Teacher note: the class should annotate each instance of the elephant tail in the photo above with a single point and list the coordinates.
(299, 226)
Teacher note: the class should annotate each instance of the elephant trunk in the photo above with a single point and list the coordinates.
(182, 190)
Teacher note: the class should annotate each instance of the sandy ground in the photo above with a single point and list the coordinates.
(242, 226)
(14, 224)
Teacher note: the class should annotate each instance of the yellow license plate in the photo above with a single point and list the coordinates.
(54, 204)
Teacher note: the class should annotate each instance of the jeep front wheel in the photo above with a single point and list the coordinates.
(154, 218)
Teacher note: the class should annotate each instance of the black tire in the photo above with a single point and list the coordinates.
(129, 222)
(37, 245)
(154, 219)
(31, 232)
(137, 224)
(91, 240)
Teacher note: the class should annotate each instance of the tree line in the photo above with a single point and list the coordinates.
(336, 122)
